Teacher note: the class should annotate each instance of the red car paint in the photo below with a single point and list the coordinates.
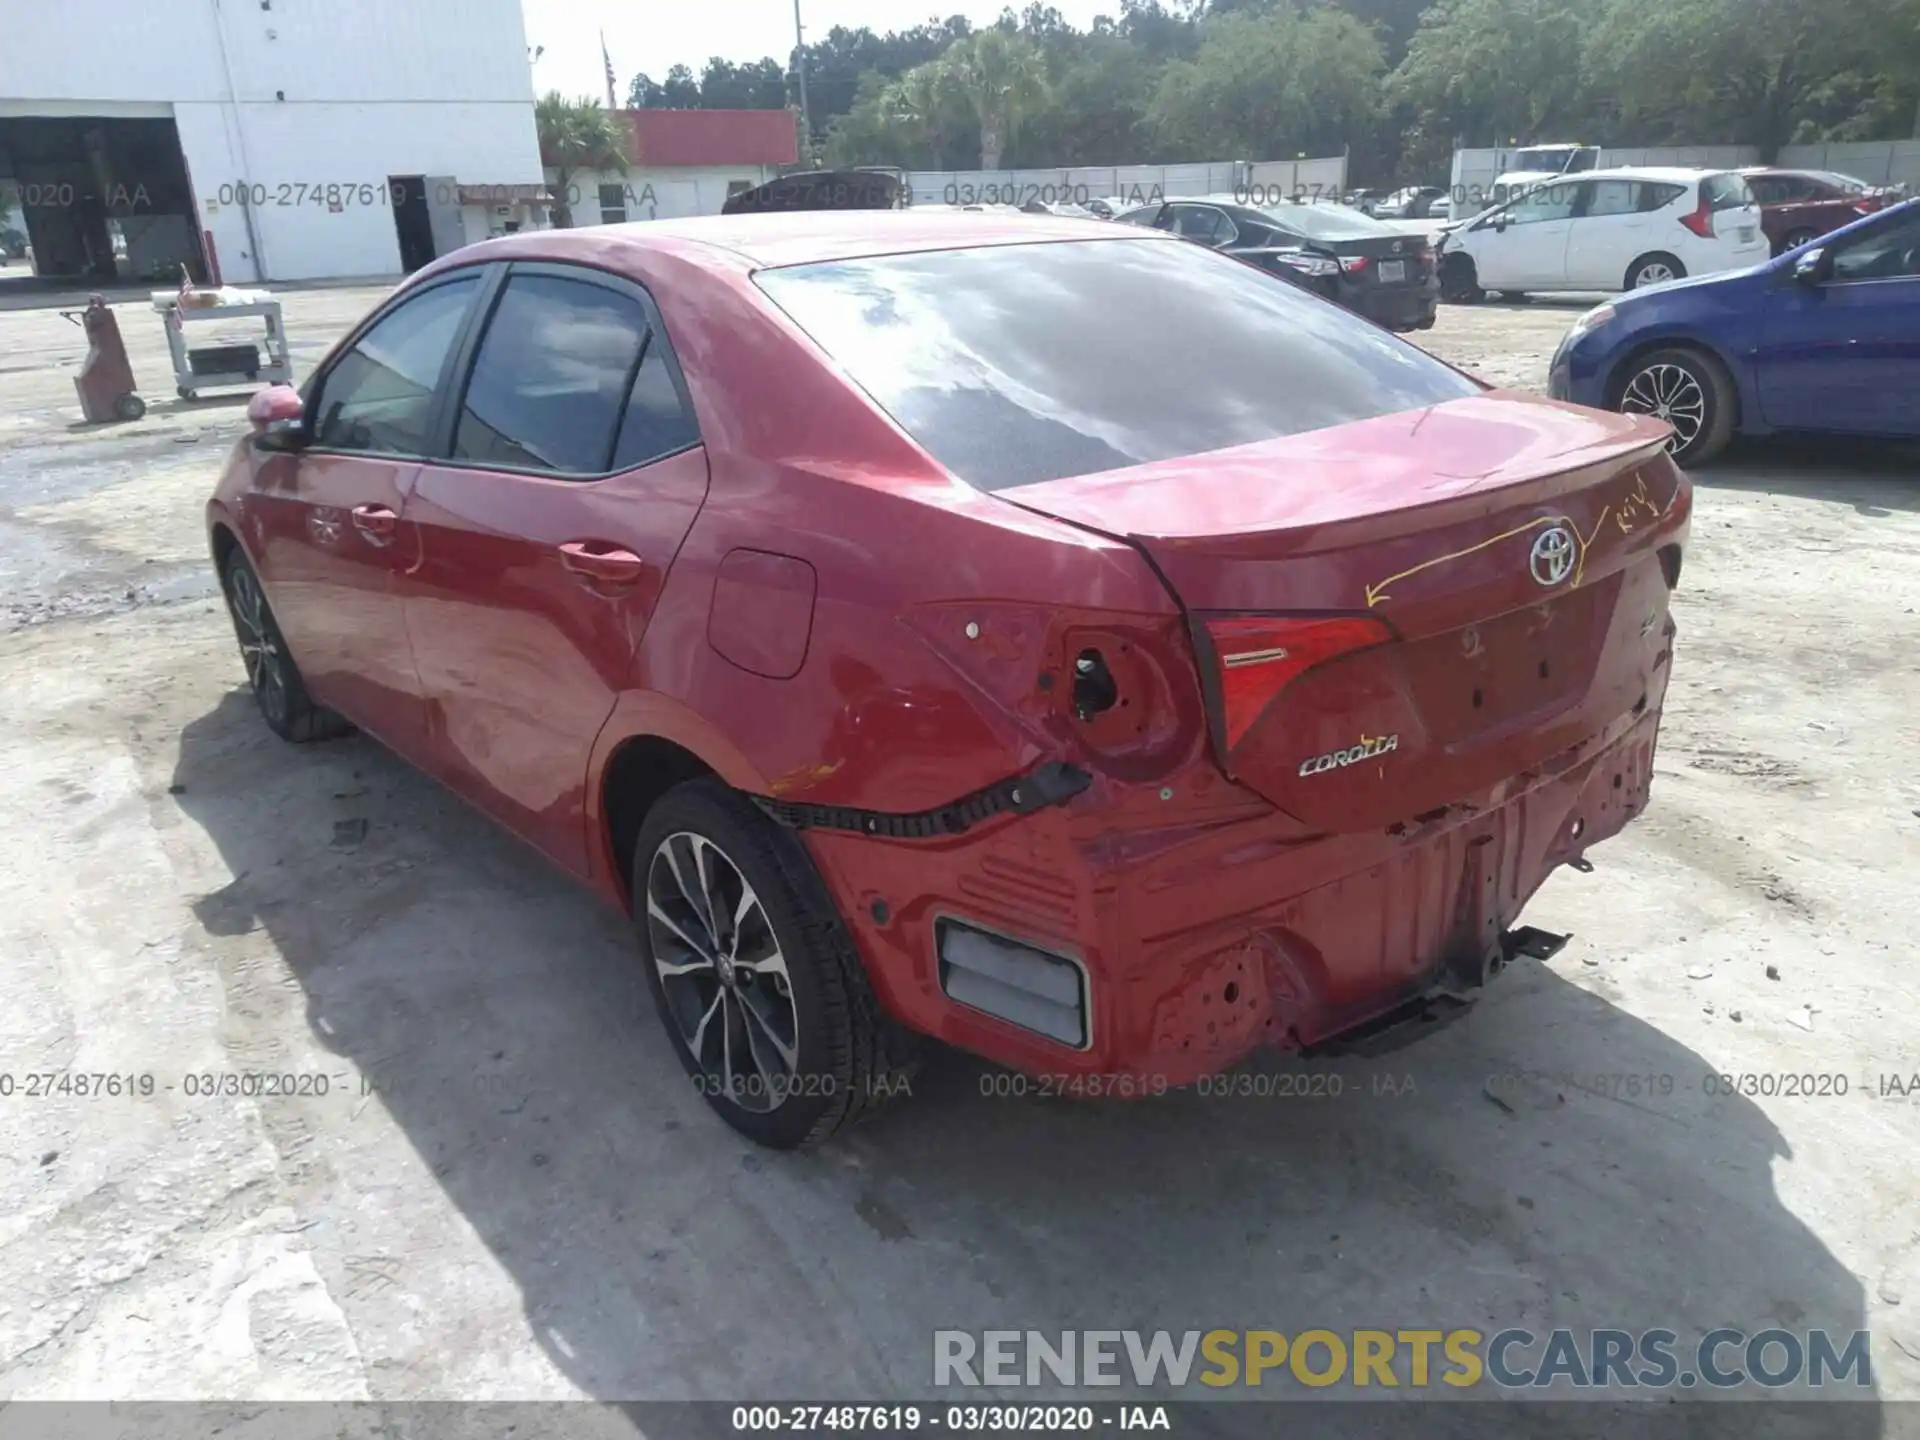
(820, 613)
(1799, 204)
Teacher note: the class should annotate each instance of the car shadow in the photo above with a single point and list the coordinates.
(1875, 477)
(1551, 1161)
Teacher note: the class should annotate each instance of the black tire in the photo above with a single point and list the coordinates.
(275, 680)
(183, 392)
(847, 1058)
(1460, 281)
(1648, 379)
(129, 407)
(1653, 264)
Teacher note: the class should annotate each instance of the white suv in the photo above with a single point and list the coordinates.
(1606, 230)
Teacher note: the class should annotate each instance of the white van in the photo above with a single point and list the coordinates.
(1606, 230)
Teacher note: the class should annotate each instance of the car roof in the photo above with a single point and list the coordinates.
(1671, 174)
(804, 237)
(1810, 172)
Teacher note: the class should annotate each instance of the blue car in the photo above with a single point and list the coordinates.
(1825, 338)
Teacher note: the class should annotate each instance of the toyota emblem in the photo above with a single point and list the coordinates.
(1553, 555)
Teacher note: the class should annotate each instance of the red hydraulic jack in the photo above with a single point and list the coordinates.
(105, 381)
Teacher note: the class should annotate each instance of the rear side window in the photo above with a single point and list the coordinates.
(1610, 197)
(1203, 223)
(1726, 192)
(658, 421)
(552, 380)
(1000, 361)
(1628, 197)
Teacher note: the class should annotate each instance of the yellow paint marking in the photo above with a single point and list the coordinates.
(1580, 560)
(1378, 591)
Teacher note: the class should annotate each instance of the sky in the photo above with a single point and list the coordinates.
(655, 35)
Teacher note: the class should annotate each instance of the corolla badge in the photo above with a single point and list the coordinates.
(1353, 755)
(1553, 554)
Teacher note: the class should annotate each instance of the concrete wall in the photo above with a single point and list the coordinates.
(1140, 184)
(1878, 162)
(311, 97)
(1324, 179)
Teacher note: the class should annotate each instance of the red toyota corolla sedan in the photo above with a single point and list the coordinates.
(1045, 635)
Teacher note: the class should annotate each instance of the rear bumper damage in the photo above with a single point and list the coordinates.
(1168, 954)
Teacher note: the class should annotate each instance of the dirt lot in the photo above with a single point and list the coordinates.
(531, 1202)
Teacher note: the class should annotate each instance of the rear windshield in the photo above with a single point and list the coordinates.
(1326, 222)
(1846, 183)
(1726, 192)
(1005, 363)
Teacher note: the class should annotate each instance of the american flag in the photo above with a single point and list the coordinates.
(607, 60)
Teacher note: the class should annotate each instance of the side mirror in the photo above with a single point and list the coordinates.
(275, 405)
(1500, 223)
(1814, 266)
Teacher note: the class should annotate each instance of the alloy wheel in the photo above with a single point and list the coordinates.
(1670, 393)
(259, 644)
(1654, 272)
(722, 972)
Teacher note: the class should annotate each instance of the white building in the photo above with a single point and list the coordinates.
(681, 162)
(264, 139)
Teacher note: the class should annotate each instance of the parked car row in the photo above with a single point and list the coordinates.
(1339, 253)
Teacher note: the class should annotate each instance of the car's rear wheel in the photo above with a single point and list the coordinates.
(1655, 269)
(275, 680)
(1459, 281)
(754, 974)
(1797, 239)
(1691, 391)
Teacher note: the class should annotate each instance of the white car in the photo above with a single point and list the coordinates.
(1606, 230)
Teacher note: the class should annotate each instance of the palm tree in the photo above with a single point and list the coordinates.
(920, 105)
(1004, 78)
(577, 135)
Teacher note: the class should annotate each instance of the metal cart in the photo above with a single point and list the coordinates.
(262, 363)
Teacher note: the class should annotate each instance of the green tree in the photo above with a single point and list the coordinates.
(1756, 72)
(1491, 71)
(1004, 79)
(1276, 82)
(577, 135)
(1102, 88)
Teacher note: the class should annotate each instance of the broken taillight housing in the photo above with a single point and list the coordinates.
(1255, 657)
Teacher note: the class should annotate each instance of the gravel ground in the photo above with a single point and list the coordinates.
(508, 1190)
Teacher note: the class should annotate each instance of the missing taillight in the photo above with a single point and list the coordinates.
(1094, 689)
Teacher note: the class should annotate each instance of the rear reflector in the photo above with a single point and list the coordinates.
(1023, 986)
(1257, 655)
(1354, 264)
